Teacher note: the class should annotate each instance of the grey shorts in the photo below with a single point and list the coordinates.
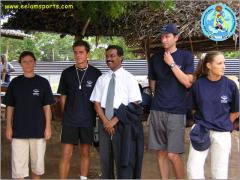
(166, 131)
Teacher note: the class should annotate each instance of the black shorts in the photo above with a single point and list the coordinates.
(77, 135)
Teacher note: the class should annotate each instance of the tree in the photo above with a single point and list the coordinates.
(51, 47)
(85, 18)
(100, 44)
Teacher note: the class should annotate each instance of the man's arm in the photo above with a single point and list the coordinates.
(48, 117)
(62, 101)
(234, 116)
(152, 86)
(8, 134)
(184, 79)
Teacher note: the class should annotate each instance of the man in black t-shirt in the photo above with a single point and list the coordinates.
(28, 101)
(78, 119)
(170, 74)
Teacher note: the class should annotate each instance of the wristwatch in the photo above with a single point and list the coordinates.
(172, 65)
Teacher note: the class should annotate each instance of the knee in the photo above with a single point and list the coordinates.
(173, 157)
(66, 155)
(162, 154)
(85, 152)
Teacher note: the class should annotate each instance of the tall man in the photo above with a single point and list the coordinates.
(113, 89)
(170, 74)
(76, 85)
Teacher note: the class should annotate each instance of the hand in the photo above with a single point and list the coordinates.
(107, 125)
(168, 59)
(47, 133)
(8, 134)
(114, 121)
(111, 131)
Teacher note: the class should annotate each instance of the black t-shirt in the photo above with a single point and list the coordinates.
(170, 95)
(214, 101)
(79, 110)
(28, 96)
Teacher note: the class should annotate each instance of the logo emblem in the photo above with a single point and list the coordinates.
(36, 92)
(89, 83)
(218, 22)
(224, 99)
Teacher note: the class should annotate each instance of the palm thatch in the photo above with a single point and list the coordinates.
(145, 24)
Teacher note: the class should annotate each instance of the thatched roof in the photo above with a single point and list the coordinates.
(14, 34)
(138, 26)
(145, 24)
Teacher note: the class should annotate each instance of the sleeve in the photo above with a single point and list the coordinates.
(62, 88)
(97, 92)
(235, 99)
(189, 66)
(9, 99)
(151, 73)
(134, 90)
(48, 98)
(191, 98)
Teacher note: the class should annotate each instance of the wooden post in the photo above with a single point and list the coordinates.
(84, 29)
(147, 49)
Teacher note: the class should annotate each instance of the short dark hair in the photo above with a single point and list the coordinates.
(118, 48)
(26, 53)
(81, 43)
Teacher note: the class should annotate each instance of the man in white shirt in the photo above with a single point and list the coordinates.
(126, 90)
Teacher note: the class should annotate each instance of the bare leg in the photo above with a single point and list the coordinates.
(35, 176)
(66, 156)
(85, 159)
(162, 157)
(178, 165)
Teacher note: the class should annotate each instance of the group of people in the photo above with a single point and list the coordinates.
(115, 97)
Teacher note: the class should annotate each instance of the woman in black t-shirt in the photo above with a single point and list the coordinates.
(28, 101)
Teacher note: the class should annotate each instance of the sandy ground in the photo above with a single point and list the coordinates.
(149, 170)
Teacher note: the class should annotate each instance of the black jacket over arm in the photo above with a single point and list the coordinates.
(130, 129)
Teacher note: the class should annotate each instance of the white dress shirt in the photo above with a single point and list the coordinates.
(126, 88)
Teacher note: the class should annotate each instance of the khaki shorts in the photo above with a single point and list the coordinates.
(166, 131)
(21, 149)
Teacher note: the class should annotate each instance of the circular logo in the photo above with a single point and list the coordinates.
(218, 22)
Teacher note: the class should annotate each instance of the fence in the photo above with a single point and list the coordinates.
(136, 67)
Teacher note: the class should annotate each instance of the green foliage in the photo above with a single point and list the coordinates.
(45, 47)
(232, 55)
(111, 10)
(15, 46)
(98, 49)
(50, 47)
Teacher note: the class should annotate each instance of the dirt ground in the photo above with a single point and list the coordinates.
(149, 170)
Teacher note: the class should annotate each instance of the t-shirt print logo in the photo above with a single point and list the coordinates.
(224, 99)
(89, 83)
(36, 92)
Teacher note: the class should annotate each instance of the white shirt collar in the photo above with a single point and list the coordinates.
(117, 72)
